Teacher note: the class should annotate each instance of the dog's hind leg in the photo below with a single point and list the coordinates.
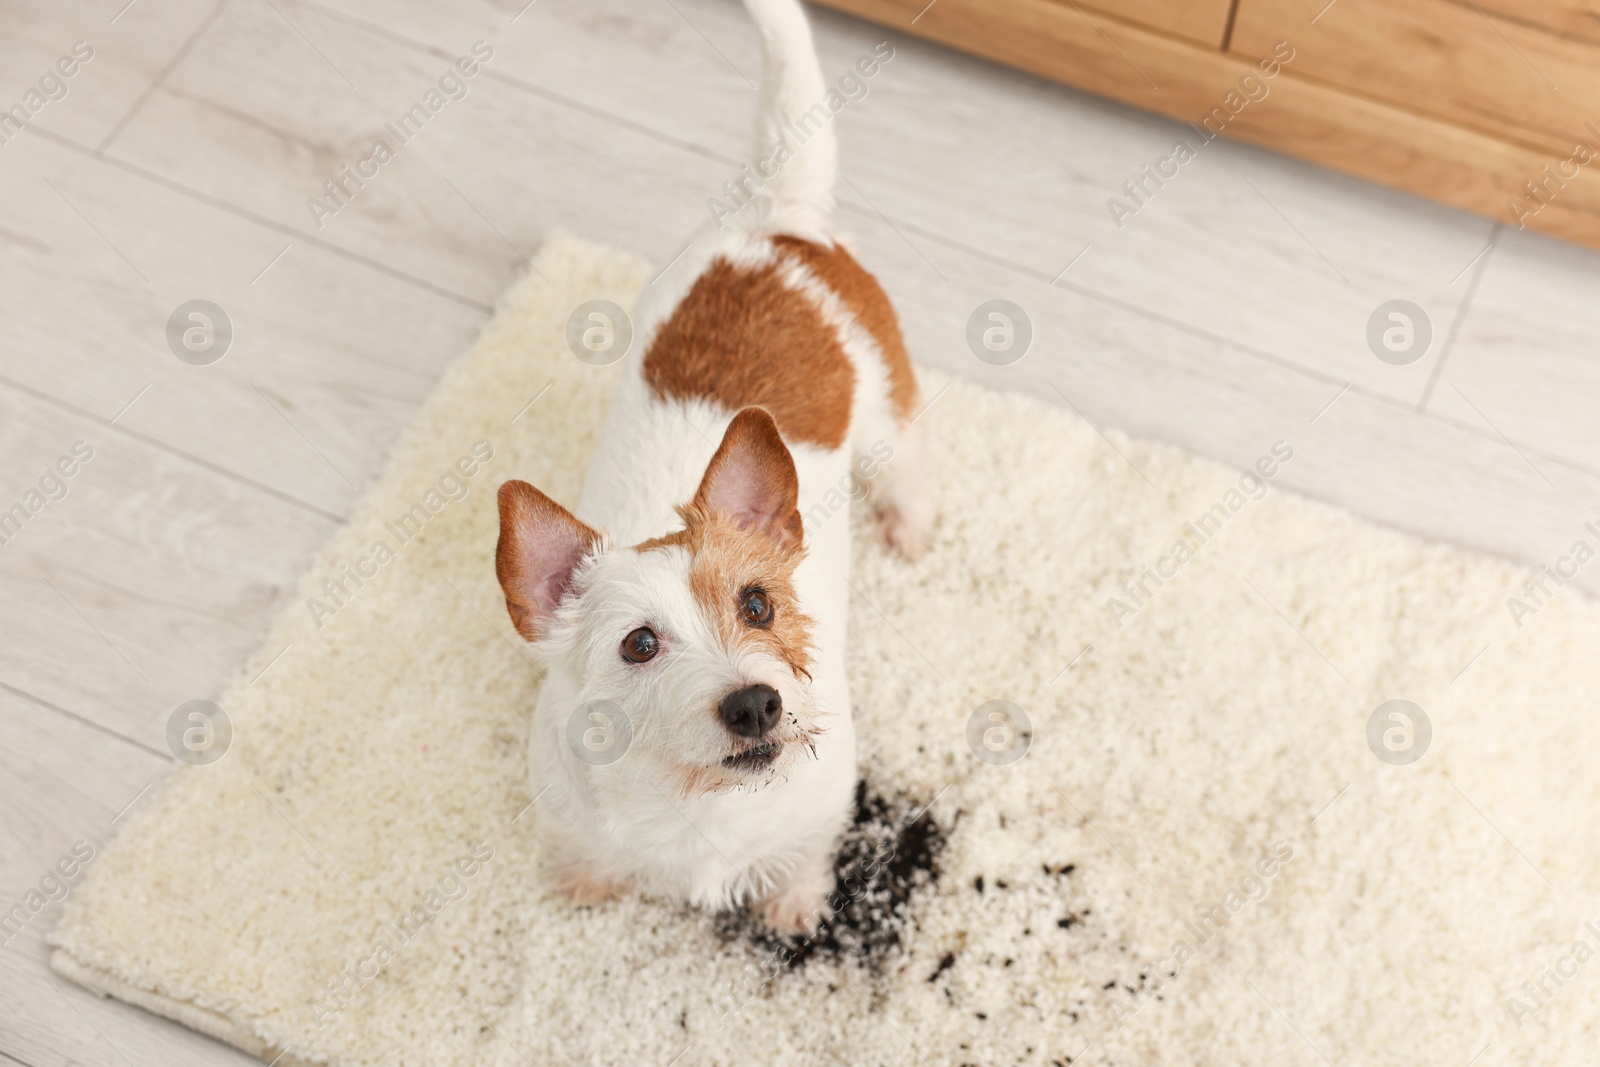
(901, 492)
(890, 455)
(889, 461)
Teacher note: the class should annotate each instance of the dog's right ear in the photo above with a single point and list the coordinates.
(752, 479)
(541, 545)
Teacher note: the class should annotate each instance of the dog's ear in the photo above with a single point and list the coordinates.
(541, 544)
(752, 480)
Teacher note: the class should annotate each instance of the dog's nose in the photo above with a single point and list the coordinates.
(751, 711)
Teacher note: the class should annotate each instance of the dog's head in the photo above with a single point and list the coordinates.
(696, 635)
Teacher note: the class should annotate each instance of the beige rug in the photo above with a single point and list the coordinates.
(1199, 860)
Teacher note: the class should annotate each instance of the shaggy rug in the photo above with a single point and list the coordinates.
(1161, 765)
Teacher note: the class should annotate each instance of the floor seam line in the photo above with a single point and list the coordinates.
(277, 227)
(161, 76)
(78, 717)
(154, 442)
(1479, 269)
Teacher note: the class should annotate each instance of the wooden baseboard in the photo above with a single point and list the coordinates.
(1443, 58)
(1299, 115)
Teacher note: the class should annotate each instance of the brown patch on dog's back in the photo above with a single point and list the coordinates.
(861, 293)
(741, 338)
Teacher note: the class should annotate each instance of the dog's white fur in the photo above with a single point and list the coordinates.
(766, 837)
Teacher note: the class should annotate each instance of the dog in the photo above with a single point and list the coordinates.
(692, 613)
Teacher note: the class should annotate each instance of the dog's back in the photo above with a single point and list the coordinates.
(765, 307)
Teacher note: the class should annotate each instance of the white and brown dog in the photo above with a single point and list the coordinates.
(689, 594)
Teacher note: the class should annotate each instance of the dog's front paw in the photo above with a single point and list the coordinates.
(794, 912)
(908, 530)
(801, 905)
(582, 882)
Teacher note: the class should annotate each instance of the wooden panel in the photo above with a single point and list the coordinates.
(1205, 21)
(1303, 116)
(1571, 18)
(1439, 57)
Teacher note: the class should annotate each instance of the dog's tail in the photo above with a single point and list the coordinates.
(796, 153)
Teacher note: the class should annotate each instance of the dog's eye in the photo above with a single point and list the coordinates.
(641, 645)
(755, 607)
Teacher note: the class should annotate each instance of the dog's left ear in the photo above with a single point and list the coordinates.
(752, 479)
(541, 545)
